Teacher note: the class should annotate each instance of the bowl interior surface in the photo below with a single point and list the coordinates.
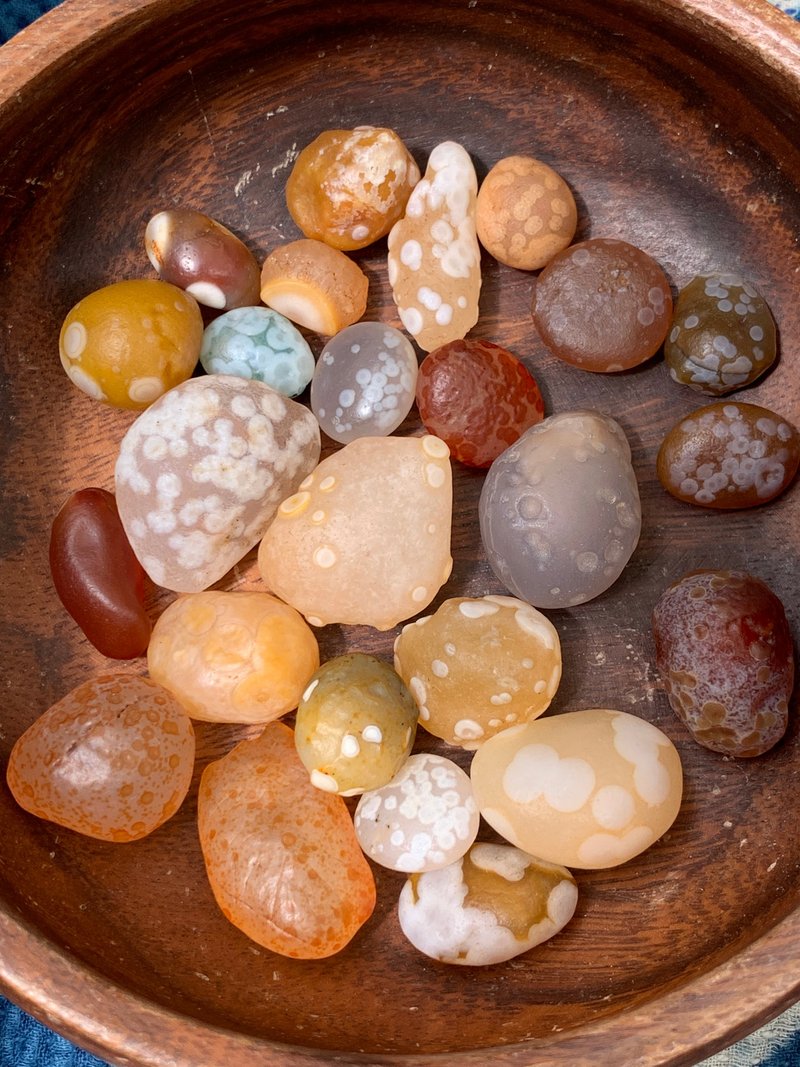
(673, 137)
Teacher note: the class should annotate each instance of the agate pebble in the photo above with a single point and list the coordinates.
(364, 382)
(282, 857)
(729, 455)
(201, 473)
(240, 656)
(423, 819)
(602, 305)
(355, 724)
(492, 905)
(477, 397)
(589, 789)
(559, 510)
(725, 655)
(479, 665)
(722, 335)
(113, 759)
(258, 343)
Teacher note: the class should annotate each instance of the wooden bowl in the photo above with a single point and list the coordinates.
(677, 125)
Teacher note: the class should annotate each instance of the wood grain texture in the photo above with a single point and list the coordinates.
(676, 125)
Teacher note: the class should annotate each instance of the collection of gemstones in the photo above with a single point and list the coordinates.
(220, 462)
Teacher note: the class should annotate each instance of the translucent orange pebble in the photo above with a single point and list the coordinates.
(349, 187)
(233, 656)
(113, 759)
(282, 856)
(315, 286)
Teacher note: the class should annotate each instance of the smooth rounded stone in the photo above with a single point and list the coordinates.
(479, 665)
(366, 539)
(559, 511)
(355, 724)
(729, 455)
(478, 397)
(240, 656)
(349, 187)
(526, 213)
(602, 305)
(434, 260)
(201, 473)
(281, 856)
(724, 652)
(364, 382)
(113, 759)
(423, 819)
(722, 335)
(589, 789)
(258, 343)
(492, 905)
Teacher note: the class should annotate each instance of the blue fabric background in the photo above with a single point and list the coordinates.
(26, 1043)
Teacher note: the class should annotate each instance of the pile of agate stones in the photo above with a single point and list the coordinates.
(239, 373)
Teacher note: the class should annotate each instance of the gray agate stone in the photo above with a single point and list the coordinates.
(559, 511)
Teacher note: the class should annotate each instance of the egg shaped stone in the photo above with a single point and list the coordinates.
(559, 510)
(424, 818)
(366, 539)
(478, 665)
(492, 905)
(355, 724)
(258, 343)
(589, 789)
(202, 471)
(729, 455)
(364, 382)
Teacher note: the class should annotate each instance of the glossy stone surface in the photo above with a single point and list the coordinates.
(97, 577)
(129, 342)
(729, 455)
(724, 652)
(240, 656)
(479, 665)
(364, 382)
(258, 343)
(112, 759)
(379, 507)
(201, 473)
(423, 819)
(722, 335)
(199, 254)
(589, 789)
(559, 511)
(355, 724)
(478, 397)
(602, 305)
(526, 212)
(315, 286)
(349, 187)
(282, 857)
(492, 905)
(434, 261)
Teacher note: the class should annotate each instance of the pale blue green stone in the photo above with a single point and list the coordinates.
(260, 344)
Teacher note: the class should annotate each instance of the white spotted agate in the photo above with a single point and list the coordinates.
(424, 818)
(202, 471)
(366, 539)
(589, 789)
(559, 511)
(492, 905)
(364, 382)
(434, 261)
(258, 343)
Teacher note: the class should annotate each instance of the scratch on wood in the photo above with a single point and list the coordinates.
(203, 114)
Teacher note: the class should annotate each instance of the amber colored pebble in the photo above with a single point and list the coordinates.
(113, 759)
(525, 213)
(282, 857)
(729, 455)
(314, 285)
(725, 656)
